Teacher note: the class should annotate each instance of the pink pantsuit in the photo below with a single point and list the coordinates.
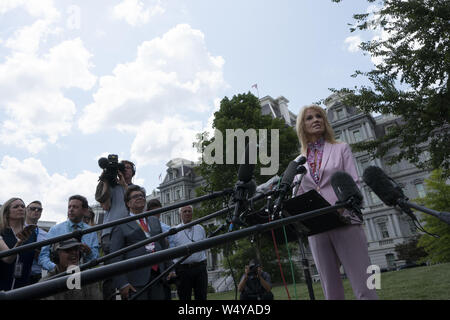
(346, 245)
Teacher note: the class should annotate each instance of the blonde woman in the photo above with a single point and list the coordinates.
(345, 245)
(15, 270)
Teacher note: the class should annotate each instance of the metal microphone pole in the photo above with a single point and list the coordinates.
(139, 244)
(46, 288)
(172, 231)
(302, 170)
(405, 205)
(173, 266)
(79, 233)
(152, 282)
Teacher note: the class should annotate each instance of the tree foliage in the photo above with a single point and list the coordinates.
(437, 198)
(410, 251)
(243, 111)
(409, 80)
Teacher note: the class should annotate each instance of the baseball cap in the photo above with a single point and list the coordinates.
(67, 244)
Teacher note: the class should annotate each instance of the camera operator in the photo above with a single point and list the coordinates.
(255, 283)
(114, 182)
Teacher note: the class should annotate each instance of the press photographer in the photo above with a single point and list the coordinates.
(113, 183)
(255, 283)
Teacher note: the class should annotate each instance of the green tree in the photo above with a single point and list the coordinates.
(410, 251)
(437, 198)
(410, 80)
(243, 111)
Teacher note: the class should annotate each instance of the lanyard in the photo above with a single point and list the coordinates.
(144, 227)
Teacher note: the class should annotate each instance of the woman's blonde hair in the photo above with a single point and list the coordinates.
(4, 213)
(303, 137)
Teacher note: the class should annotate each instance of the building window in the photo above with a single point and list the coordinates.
(382, 226)
(167, 197)
(388, 128)
(420, 190)
(340, 113)
(178, 194)
(390, 259)
(357, 135)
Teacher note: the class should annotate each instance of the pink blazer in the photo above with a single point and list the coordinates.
(336, 157)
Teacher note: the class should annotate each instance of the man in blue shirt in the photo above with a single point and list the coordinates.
(77, 207)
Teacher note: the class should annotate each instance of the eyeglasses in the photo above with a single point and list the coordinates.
(137, 196)
(35, 209)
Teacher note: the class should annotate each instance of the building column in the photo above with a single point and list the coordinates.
(369, 235)
(347, 136)
(397, 224)
(391, 227)
(372, 228)
(369, 131)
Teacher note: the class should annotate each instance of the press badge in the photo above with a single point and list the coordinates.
(150, 247)
(18, 270)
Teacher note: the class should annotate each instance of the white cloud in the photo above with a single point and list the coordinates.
(158, 141)
(173, 74)
(30, 180)
(353, 43)
(42, 8)
(135, 12)
(28, 38)
(31, 94)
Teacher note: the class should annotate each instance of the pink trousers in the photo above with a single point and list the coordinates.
(347, 246)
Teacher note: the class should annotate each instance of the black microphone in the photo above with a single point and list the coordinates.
(392, 194)
(245, 187)
(103, 163)
(346, 190)
(286, 182)
(384, 187)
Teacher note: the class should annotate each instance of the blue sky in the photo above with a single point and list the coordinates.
(139, 78)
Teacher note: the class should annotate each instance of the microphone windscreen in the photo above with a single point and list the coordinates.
(301, 160)
(246, 169)
(345, 187)
(384, 187)
(290, 173)
(103, 163)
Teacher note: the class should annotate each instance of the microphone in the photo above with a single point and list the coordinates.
(346, 190)
(288, 176)
(392, 194)
(244, 188)
(384, 187)
(103, 163)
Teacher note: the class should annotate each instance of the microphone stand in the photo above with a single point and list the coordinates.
(46, 288)
(302, 171)
(79, 233)
(240, 198)
(406, 206)
(173, 266)
(139, 244)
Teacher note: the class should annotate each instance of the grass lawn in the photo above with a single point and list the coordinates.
(420, 283)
